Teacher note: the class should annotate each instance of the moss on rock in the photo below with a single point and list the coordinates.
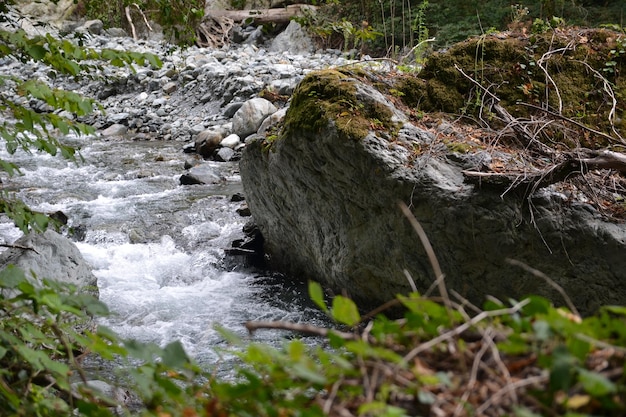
(330, 96)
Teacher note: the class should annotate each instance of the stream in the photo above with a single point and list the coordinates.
(156, 247)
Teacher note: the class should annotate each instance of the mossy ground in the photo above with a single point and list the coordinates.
(575, 73)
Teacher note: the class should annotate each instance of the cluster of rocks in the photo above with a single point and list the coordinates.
(208, 98)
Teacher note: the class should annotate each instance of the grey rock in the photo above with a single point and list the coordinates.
(328, 209)
(272, 119)
(94, 26)
(115, 130)
(250, 116)
(188, 179)
(52, 256)
(231, 108)
(207, 142)
(231, 141)
(116, 32)
(170, 87)
(119, 117)
(225, 154)
(294, 39)
(205, 173)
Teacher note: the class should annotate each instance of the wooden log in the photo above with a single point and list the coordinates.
(260, 16)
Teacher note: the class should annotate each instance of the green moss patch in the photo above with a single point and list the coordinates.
(330, 96)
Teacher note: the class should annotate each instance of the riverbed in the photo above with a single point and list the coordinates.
(157, 247)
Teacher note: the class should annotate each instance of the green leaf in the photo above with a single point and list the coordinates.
(11, 277)
(174, 355)
(621, 310)
(344, 311)
(537, 305)
(562, 369)
(595, 384)
(154, 60)
(300, 370)
(523, 412)
(9, 167)
(317, 295)
(38, 52)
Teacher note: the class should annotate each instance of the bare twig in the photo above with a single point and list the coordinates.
(609, 90)
(14, 246)
(130, 22)
(512, 387)
(462, 328)
(520, 129)
(473, 375)
(574, 165)
(144, 17)
(403, 58)
(430, 253)
(567, 119)
(549, 281)
(541, 61)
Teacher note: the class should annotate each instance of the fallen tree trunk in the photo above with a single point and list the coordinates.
(278, 15)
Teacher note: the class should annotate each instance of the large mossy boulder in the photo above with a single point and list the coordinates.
(325, 187)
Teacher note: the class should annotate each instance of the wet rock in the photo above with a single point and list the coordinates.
(247, 252)
(244, 211)
(52, 256)
(237, 197)
(189, 179)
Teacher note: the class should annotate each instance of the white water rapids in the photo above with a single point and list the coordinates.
(157, 248)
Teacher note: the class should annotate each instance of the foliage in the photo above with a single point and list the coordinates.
(541, 358)
(521, 358)
(403, 22)
(179, 18)
(32, 110)
(45, 334)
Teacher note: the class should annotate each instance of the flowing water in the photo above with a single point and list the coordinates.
(157, 248)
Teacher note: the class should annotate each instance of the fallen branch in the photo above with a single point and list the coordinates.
(260, 16)
(130, 22)
(13, 246)
(519, 128)
(145, 19)
(574, 122)
(573, 166)
(252, 326)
